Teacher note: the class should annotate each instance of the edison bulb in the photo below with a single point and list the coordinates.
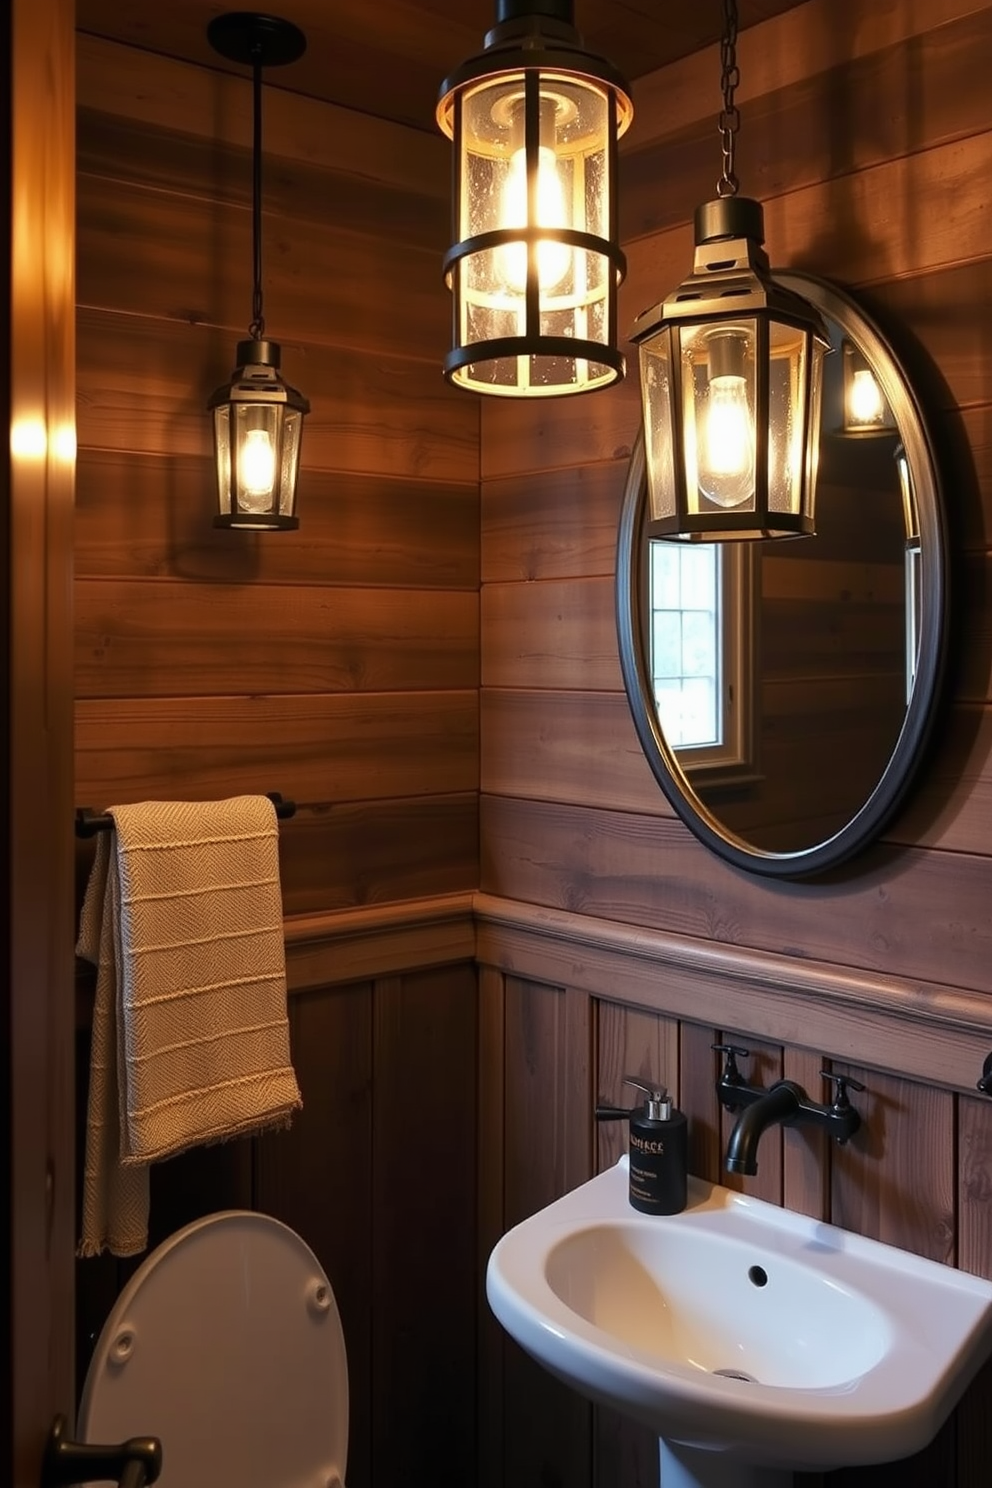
(726, 450)
(257, 469)
(553, 259)
(865, 400)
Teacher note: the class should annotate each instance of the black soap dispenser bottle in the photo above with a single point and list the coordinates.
(658, 1153)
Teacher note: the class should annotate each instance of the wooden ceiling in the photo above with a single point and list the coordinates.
(388, 57)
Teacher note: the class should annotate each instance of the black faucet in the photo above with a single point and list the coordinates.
(783, 1104)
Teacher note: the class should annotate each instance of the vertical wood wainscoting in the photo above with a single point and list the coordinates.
(865, 133)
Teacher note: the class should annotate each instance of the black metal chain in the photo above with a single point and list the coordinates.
(730, 114)
(257, 328)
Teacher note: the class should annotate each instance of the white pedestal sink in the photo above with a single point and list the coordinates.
(755, 1342)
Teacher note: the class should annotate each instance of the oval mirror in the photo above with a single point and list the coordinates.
(783, 690)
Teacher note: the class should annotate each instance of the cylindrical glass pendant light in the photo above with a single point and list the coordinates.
(257, 416)
(535, 120)
(731, 368)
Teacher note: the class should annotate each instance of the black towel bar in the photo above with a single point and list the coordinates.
(89, 822)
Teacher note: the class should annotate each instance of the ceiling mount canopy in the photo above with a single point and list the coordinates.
(534, 120)
(257, 416)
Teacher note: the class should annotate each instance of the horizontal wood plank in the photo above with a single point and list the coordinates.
(355, 854)
(562, 524)
(144, 252)
(136, 84)
(314, 750)
(559, 634)
(780, 52)
(143, 386)
(355, 528)
(907, 912)
(932, 79)
(139, 638)
(171, 160)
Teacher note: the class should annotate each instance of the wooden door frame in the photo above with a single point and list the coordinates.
(37, 386)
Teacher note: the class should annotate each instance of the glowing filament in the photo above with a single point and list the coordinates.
(257, 469)
(865, 400)
(726, 465)
(553, 259)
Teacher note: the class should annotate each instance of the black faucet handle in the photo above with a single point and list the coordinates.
(733, 1053)
(985, 1082)
(613, 1113)
(844, 1083)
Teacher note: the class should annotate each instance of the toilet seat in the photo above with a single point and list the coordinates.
(227, 1345)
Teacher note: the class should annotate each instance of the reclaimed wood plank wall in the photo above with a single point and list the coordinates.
(865, 134)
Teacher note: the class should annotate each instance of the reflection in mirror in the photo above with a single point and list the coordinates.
(783, 690)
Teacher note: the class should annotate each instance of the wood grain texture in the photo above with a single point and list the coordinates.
(130, 82)
(331, 1044)
(323, 749)
(140, 638)
(164, 272)
(934, 1034)
(491, 1221)
(423, 1239)
(391, 63)
(919, 922)
(547, 1138)
(144, 384)
(357, 528)
(933, 81)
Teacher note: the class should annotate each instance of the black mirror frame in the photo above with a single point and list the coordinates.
(895, 780)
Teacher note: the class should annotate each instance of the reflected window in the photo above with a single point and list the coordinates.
(700, 644)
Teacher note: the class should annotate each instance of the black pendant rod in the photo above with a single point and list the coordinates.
(257, 328)
(260, 41)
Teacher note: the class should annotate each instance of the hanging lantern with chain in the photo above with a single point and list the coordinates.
(731, 367)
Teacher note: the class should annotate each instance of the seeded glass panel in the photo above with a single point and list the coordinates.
(685, 634)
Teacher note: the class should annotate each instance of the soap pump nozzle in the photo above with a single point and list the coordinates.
(658, 1102)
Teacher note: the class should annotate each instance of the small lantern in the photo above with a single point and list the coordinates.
(866, 410)
(731, 368)
(535, 121)
(257, 416)
(258, 425)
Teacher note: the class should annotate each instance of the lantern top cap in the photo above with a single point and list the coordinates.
(259, 352)
(537, 35)
(729, 217)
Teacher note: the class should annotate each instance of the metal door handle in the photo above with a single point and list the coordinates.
(133, 1464)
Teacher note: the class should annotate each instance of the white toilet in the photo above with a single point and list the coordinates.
(226, 1344)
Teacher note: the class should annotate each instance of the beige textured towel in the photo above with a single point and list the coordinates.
(183, 918)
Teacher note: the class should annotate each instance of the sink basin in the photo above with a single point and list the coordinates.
(740, 1332)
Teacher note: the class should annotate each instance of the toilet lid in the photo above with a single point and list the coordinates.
(226, 1344)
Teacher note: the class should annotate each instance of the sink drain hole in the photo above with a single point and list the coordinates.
(757, 1275)
(737, 1374)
